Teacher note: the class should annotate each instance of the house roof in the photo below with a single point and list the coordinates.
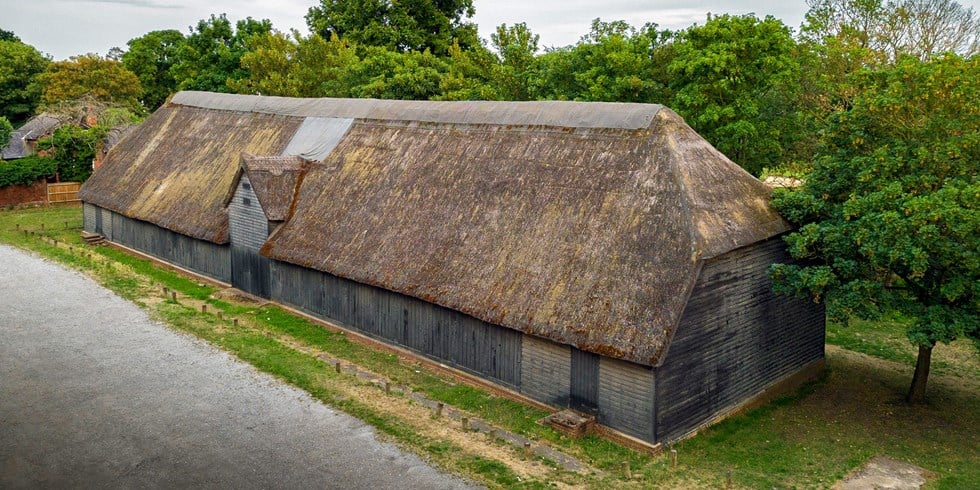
(583, 223)
(275, 181)
(34, 129)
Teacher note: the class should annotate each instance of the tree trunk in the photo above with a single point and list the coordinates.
(917, 392)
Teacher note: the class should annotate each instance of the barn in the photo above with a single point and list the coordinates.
(597, 256)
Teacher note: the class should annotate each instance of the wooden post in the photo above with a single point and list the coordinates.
(439, 409)
(234, 321)
(673, 458)
(728, 478)
(173, 296)
(220, 316)
(336, 366)
(166, 291)
(465, 423)
(527, 450)
(627, 471)
(204, 308)
(387, 387)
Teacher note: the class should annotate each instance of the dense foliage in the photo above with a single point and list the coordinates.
(5, 130)
(73, 149)
(890, 215)
(26, 171)
(19, 66)
(89, 76)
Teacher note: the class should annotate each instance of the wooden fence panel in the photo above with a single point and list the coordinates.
(64, 192)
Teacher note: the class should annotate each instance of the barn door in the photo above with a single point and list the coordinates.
(584, 395)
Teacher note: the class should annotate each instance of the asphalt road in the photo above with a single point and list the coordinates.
(95, 394)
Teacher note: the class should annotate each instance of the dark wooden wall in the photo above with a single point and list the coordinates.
(451, 337)
(199, 256)
(735, 339)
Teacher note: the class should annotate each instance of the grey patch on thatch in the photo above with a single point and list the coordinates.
(317, 137)
(275, 181)
(592, 238)
(175, 170)
(613, 115)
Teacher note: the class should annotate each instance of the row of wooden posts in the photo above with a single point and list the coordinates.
(464, 421)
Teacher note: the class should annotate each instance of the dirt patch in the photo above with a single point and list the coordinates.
(239, 296)
(884, 473)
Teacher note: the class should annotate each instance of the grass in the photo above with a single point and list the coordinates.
(808, 440)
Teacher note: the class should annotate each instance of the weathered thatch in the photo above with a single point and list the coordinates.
(20, 143)
(275, 181)
(582, 223)
(175, 170)
(590, 237)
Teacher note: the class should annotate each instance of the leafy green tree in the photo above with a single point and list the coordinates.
(20, 65)
(734, 82)
(920, 28)
(27, 170)
(211, 54)
(890, 215)
(516, 46)
(6, 129)
(151, 57)
(92, 76)
(469, 75)
(73, 148)
(615, 62)
(386, 74)
(297, 66)
(398, 25)
(8, 36)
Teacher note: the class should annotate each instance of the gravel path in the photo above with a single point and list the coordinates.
(95, 394)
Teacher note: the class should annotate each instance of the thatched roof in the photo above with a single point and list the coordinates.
(176, 168)
(275, 181)
(583, 223)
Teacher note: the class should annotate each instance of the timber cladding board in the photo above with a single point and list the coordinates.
(248, 226)
(625, 397)
(735, 339)
(546, 370)
(196, 255)
(449, 336)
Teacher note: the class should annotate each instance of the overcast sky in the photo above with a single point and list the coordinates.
(64, 28)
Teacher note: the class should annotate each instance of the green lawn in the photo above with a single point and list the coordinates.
(808, 440)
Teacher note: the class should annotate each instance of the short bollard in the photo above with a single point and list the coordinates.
(673, 458)
(527, 450)
(173, 295)
(204, 308)
(465, 424)
(387, 388)
(336, 366)
(439, 409)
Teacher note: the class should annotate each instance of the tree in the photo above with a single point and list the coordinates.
(514, 73)
(20, 65)
(615, 62)
(920, 28)
(297, 66)
(92, 76)
(734, 82)
(6, 129)
(890, 215)
(386, 74)
(211, 54)
(73, 148)
(398, 25)
(8, 36)
(469, 75)
(151, 57)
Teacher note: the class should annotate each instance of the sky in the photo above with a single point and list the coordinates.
(64, 28)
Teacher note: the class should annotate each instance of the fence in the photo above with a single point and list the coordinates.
(64, 192)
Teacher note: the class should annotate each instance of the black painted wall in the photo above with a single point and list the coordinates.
(735, 339)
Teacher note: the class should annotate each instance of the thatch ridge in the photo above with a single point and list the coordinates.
(612, 115)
